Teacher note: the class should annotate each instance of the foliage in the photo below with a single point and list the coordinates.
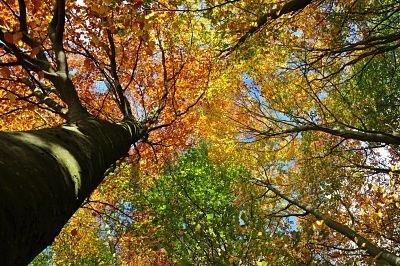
(301, 96)
(201, 218)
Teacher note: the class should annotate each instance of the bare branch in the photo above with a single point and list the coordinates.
(116, 86)
(363, 243)
(195, 10)
(22, 16)
(56, 33)
(135, 64)
(369, 136)
(275, 13)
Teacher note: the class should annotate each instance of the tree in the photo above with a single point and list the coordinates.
(337, 140)
(46, 174)
(201, 215)
(372, 249)
(306, 89)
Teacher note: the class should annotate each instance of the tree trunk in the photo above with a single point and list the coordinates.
(46, 174)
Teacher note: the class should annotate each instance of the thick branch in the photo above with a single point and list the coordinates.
(22, 16)
(56, 27)
(38, 90)
(344, 133)
(62, 81)
(275, 13)
(362, 242)
(120, 98)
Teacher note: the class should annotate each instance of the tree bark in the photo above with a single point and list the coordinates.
(46, 174)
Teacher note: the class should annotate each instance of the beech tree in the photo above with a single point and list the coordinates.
(47, 173)
(304, 92)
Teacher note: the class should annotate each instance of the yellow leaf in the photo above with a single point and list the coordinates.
(11, 96)
(314, 227)
(149, 16)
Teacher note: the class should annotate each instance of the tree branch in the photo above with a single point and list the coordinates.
(369, 136)
(62, 82)
(363, 243)
(22, 16)
(116, 87)
(275, 13)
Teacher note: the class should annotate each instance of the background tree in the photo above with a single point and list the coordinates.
(207, 213)
(320, 118)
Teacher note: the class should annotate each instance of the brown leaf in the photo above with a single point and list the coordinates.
(74, 232)
(36, 5)
(87, 62)
(35, 51)
(40, 74)
(17, 36)
(5, 72)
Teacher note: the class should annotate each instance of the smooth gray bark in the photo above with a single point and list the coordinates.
(46, 174)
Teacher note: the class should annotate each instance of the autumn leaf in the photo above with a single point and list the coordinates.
(17, 37)
(5, 72)
(35, 51)
(74, 232)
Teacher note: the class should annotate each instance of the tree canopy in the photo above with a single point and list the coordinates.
(240, 132)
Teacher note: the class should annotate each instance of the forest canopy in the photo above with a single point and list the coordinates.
(212, 132)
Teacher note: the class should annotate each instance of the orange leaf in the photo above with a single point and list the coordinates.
(87, 63)
(5, 72)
